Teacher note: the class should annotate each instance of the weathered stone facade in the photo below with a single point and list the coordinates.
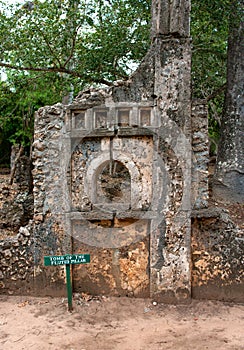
(117, 174)
(145, 127)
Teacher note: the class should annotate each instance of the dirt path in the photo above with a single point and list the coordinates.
(118, 324)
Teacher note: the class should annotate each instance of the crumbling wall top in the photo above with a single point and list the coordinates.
(171, 18)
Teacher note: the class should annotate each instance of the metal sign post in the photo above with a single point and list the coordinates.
(67, 260)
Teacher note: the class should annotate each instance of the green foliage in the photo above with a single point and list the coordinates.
(49, 47)
(92, 40)
(20, 96)
(120, 37)
(209, 28)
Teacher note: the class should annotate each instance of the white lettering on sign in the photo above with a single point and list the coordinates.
(56, 258)
(66, 259)
(77, 261)
(60, 262)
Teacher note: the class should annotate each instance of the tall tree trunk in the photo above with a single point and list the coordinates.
(229, 175)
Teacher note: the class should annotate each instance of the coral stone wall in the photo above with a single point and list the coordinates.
(16, 256)
(137, 228)
(116, 175)
(217, 256)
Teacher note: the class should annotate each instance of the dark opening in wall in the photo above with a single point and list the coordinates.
(114, 183)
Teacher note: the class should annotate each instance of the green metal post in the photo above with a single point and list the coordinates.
(69, 287)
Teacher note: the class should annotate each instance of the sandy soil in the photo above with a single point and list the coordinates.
(118, 324)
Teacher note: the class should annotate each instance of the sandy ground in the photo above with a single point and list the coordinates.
(118, 324)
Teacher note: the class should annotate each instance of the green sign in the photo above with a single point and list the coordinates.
(66, 259)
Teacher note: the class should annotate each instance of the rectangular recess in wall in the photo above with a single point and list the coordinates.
(101, 118)
(145, 116)
(123, 117)
(78, 119)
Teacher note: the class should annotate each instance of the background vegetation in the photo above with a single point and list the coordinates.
(54, 48)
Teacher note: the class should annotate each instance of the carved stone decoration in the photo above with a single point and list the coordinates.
(120, 183)
(116, 175)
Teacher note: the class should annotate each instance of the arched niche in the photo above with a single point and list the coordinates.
(113, 184)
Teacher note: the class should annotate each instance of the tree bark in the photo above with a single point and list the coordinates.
(229, 175)
(14, 165)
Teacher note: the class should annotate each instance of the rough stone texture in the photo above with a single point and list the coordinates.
(16, 255)
(104, 152)
(145, 126)
(200, 150)
(49, 206)
(16, 200)
(116, 174)
(171, 18)
(23, 175)
(217, 256)
(129, 226)
(121, 272)
(16, 239)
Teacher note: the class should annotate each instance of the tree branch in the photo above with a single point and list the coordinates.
(216, 92)
(73, 47)
(48, 44)
(57, 70)
(13, 170)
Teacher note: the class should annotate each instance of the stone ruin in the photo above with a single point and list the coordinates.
(122, 174)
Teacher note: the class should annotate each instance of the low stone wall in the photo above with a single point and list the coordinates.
(16, 230)
(217, 256)
(16, 199)
(217, 260)
(16, 255)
